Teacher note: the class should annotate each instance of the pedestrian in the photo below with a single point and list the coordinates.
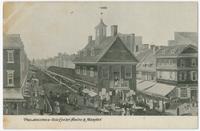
(177, 110)
(127, 111)
(75, 102)
(123, 112)
(84, 100)
(57, 108)
(67, 100)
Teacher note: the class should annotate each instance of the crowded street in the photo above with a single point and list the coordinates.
(52, 98)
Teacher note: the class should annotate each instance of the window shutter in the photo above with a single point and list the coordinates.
(178, 92)
(188, 93)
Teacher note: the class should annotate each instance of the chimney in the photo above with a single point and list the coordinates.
(113, 30)
(146, 46)
(89, 39)
(161, 47)
(152, 47)
(156, 48)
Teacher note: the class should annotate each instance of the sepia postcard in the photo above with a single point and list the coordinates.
(100, 65)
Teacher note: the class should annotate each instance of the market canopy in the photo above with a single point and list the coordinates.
(12, 93)
(85, 90)
(159, 89)
(92, 93)
(145, 85)
(89, 92)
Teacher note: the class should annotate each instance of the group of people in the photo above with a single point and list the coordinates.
(58, 100)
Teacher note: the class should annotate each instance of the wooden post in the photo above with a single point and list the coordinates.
(17, 109)
(163, 106)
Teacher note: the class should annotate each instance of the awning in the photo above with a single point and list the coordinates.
(145, 85)
(92, 93)
(89, 92)
(12, 94)
(139, 81)
(159, 89)
(85, 90)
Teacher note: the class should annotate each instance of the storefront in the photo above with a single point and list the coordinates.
(156, 95)
(13, 101)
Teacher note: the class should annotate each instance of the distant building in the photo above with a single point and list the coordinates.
(15, 70)
(61, 60)
(184, 38)
(106, 66)
(178, 65)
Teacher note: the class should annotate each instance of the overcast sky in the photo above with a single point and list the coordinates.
(49, 28)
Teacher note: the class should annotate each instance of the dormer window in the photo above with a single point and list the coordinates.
(10, 56)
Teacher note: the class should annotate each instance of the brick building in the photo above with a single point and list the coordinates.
(15, 70)
(106, 66)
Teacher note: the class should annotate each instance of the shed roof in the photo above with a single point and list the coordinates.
(12, 93)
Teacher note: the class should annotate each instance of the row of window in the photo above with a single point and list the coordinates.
(166, 61)
(117, 72)
(84, 71)
(105, 72)
(147, 64)
(161, 62)
(193, 62)
(183, 75)
(173, 75)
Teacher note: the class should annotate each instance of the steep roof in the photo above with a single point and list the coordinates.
(12, 41)
(141, 55)
(174, 50)
(190, 36)
(100, 50)
(147, 58)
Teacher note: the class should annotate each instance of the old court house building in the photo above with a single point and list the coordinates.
(106, 66)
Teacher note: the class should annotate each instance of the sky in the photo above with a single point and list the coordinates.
(49, 28)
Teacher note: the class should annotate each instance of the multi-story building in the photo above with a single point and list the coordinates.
(106, 66)
(178, 65)
(15, 70)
